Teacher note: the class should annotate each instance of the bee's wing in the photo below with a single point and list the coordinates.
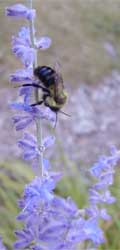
(58, 84)
(57, 68)
(58, 88)
(58, 77)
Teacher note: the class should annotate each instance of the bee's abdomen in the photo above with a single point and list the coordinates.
(45, 74)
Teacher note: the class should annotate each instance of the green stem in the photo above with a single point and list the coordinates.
(38, 121)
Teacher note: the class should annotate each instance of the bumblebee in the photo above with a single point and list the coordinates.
(50, 81)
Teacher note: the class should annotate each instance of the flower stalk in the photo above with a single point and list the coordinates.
(38, 120)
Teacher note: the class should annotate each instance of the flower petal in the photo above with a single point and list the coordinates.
(44, 43)
(20, 10)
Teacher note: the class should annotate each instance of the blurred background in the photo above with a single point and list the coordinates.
(86, 42)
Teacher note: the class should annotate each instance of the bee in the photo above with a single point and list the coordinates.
(50, 81)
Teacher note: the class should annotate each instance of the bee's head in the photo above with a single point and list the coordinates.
(37, 71)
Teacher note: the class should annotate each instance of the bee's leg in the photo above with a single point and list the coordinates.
(37, 103)
(35, 85)
(42, 101)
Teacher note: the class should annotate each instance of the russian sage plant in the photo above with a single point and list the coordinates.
(50, 221)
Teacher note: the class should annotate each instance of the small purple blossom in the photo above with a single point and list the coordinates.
(39, 190)
(105, 180)
(23, 38)
(30, 147)
(33, 113)
(48, 141)
(22, 76)
(22, 121)
(43, 43)
(25, 237)
(93, 232)
(105, 163)
(94, 212)
(24, 35)
(27, 93)
(21, 106)
(25, 54)
(20, 10)
(96, 197)
(21, 47)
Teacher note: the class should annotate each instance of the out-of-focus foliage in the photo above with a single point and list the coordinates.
(85, 34)
(75, 186)
(13, 177)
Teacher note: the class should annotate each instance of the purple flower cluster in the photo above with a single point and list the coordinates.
(23, 50)
(50, 221)
(99, 193)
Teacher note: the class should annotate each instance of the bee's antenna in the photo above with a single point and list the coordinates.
(64, 113)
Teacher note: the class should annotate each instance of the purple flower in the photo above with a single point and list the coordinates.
(94, 212)
(30, 147)
(40, 190)
(20, 10)
(104, 215)
(104, 172)
(21, 47)
(93, 232)
(96, 197)
(25, 238)
(21, 106)
(46, 214)
(23, 38)
(24, 35)
(26, 54)
(22, 75)
(66, 205)
(33, 113)
(48, 141)
(105, 163)
(22, 121)
(43, 43)
(56, 222)
(99, 195)
(26, 92)
(82, 230)
(105, 180)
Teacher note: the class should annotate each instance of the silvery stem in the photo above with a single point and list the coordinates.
(38, 121)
